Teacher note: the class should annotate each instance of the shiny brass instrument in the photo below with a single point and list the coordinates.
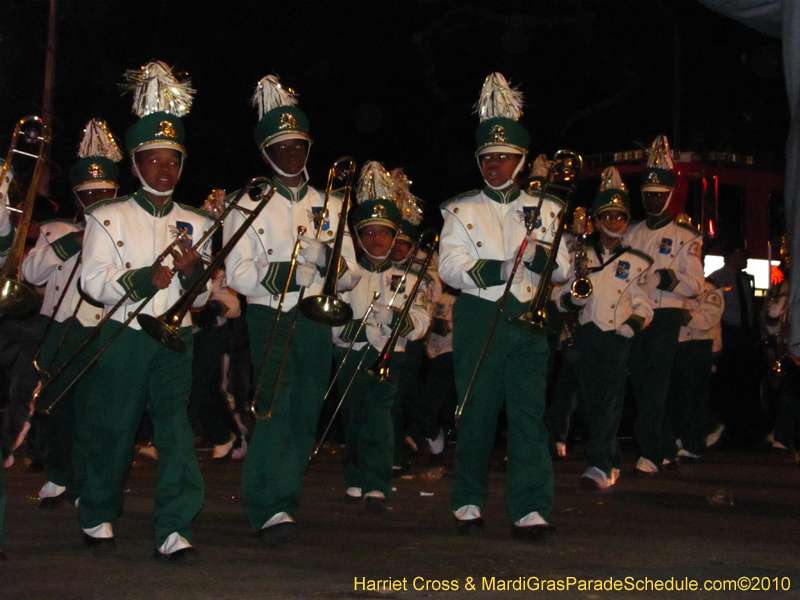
(581, 287)
(262, 369)
(561, 176)
(327, 308)
(380, 368)
(17, 297)
(165, 328)
(89, 339)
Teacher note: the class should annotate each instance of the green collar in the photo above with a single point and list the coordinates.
(496, 195)
(282, 189)
(601, 249)
(149, 207)
(368, 266)
(658, 221)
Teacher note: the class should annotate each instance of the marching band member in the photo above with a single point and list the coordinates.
(258, 267)
(482, 233)
(67, 319)
(123, 238)
(6, 226)
(617, 308)
(367, 413)
(676, 274)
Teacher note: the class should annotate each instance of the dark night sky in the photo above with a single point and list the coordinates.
(396, 81)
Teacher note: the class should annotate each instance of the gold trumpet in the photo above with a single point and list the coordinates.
(17, 297)
(327, 308)
(165, 328)
(380, 368)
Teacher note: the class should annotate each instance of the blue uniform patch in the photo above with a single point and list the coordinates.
(395, 282)
(666, 246)
(183, 225)
(623, 269)
(316, 216)
(528, 214)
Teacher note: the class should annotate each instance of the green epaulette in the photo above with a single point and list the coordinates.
(100, 203)
(194, 210)
(464, 195)
(688, 228)
(641, 254)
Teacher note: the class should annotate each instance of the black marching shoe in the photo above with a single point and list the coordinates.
(185, 556)
(99, 545)
(281, 533)
(532, 533)
(52, 501)
(469, 527)
(375, 505)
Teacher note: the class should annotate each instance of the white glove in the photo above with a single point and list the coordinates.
(304, 274)
(380, 315)
(505, 270)
(650, 280)
(530, 251)
(312, 251)
(625, 331)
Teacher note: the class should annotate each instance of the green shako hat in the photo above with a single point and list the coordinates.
(375, 194)
(409, 206)
(98, 154)
(612, 194)
(279, 118)
(659, 175)
(159, 101)
(499, 109)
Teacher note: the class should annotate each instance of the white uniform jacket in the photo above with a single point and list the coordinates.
(706, 310)
(258, 265)
(618, 296)
(386, 280)
(50, 263)
(124, 236)
(484, 228)
(676, 250)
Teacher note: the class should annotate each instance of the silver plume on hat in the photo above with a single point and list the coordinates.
(407, 202)
(659, 156)
(374, 182)
(611, 180)
(498, 99)
(98, 140)
(156, 89)
(270, 94)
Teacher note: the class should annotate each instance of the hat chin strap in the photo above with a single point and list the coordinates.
(382, 256)
(80, 202)
(614, 234)
(146, 187)
(513, 178)
(666, 205)
(280, 171)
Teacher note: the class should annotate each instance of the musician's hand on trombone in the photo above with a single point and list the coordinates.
(578, 300)
(185, 258)
(507, 267)
(530, 250)
(380, 315)
(162, 277)
(304, 274)
(312, 251)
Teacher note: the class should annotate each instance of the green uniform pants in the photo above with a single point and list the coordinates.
(602, 364)
(280, 448)
(687, 402)
(65, 461)
(367, 418)
(513, 370)
(136, 371)
(650, 364)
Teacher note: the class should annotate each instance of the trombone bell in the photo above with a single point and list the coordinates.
(17, 297)
(533, 321)
(164, 330)
(327, 310)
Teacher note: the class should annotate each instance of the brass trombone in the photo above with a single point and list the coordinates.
(380, 368)
(89, 339)
(327, 308)
(17, 297)
(564, 170)
(165, 328)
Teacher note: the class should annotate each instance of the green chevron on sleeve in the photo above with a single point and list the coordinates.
(539, 259)
(486, 273)
(668, 280)
(276, 276)
(635, 322)
(406, 325)
(349, 331)
(139, 281)
(67, 246)
(186, 282)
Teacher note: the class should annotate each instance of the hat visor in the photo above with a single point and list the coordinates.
(289, 135)
(96, 185)
(656, 188)
(152, 145)
(507, 148)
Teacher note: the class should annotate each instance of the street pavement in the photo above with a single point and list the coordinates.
(729, 520)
